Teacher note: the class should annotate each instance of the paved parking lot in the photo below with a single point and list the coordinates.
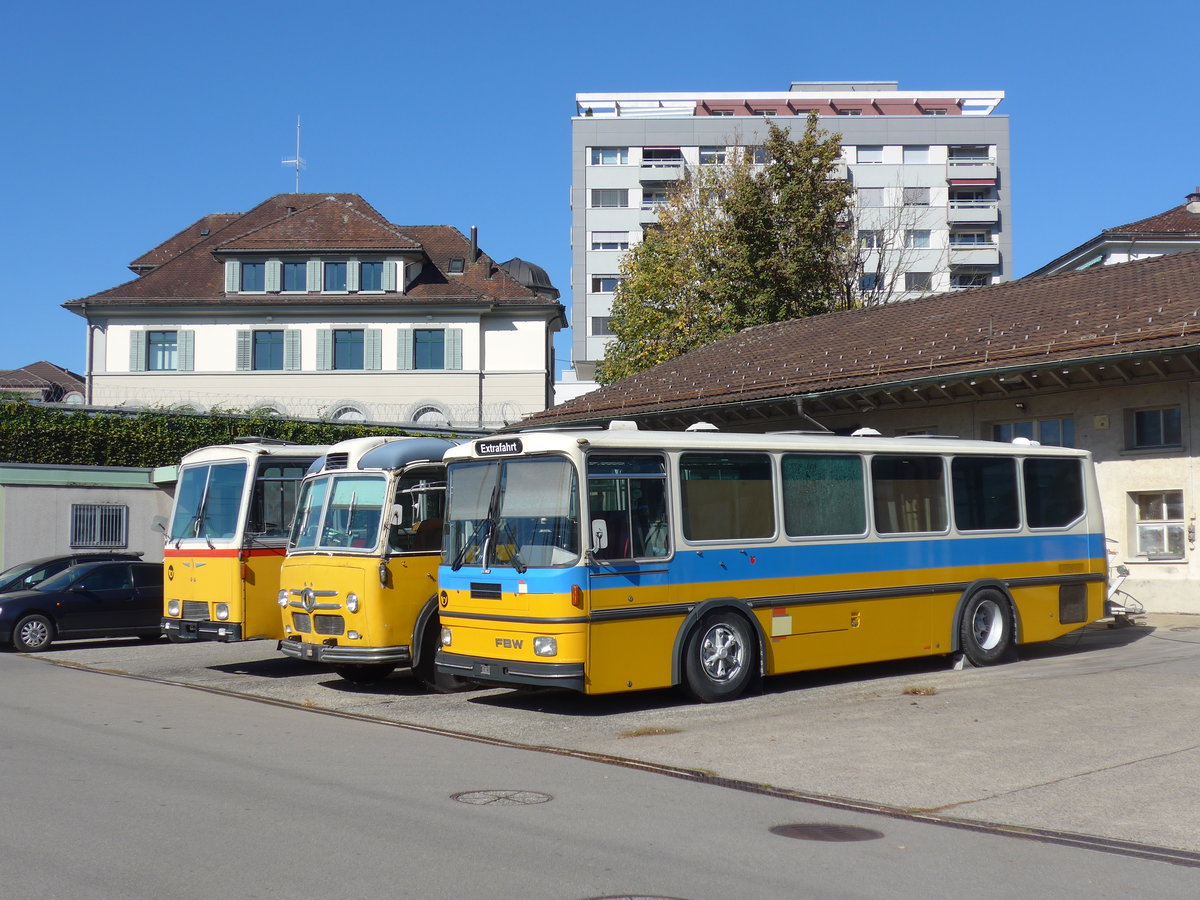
(1096, 733)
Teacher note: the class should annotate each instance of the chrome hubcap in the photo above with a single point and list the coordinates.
(988, 625)
(34, 634)
(722, 653)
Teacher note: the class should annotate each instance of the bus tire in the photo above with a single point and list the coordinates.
(426, 667)
(985, 631)
(719, 657)
(365, 674)
(33, 633)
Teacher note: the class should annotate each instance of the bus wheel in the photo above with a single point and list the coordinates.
(365, 674)
(719, 658)
(986, 630)
(33, 633)
(426, 668)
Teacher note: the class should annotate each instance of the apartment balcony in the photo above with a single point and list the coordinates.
(974, 255)
(971, 170)
(661, 168)
(976, 212)
(648, 215)
(839, 172)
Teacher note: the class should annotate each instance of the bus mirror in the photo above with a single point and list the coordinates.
(599, 534)
(397, 517)
(159, 523)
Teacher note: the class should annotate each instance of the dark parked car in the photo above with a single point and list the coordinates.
(96, 599)
(27, 574)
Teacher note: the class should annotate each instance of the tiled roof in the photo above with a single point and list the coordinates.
(41, 375)
(1151, 304)
(1177, 221)
(188, 268)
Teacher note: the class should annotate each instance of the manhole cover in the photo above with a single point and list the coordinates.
(819, 831)
(501, 798)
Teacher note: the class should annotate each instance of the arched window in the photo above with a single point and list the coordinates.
(349, 414)
(430, 415)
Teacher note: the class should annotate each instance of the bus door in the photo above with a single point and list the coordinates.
(629, 581)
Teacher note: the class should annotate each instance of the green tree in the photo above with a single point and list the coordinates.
(761, 238)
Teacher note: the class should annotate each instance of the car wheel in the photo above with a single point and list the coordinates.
(719, 659)
(33, 633)
(986, 630)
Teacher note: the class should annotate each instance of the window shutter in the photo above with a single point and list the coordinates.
(233, 276)
(187, 350)
(244, 359)
(373, 349)
(352, 272)
(404, 350)
(389, 274)
(274, 276)
(137, 351)
(454, 348)
(324, 349)
(314, 275)
(291, 350)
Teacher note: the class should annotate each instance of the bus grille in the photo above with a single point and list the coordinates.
(195, 609)
(329, 624)
(300, 623)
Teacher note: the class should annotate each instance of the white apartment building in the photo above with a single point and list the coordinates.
(929, 168)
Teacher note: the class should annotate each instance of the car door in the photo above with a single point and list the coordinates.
(100, 601)
(146, 609)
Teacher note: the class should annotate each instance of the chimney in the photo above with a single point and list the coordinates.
(474, 244)
(1193, 202)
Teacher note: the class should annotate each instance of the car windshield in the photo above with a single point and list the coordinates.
(518, 512)
(16, 574)
(339, 511)
(208, 501)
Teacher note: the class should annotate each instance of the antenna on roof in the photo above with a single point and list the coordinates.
(298, 162)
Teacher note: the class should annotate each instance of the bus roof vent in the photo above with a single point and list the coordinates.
(622, 425)
(337, 461)
(701, 426)
(1025, 442)
(865, 432)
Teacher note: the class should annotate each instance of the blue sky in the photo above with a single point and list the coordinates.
(126, 122)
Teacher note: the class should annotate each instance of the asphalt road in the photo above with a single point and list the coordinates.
(1093, 739)
(124, 788)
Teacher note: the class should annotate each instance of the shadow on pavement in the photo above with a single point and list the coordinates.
(283, 667)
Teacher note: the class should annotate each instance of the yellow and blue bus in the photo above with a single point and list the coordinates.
(616, 559)
(358, 588)
(227, 538)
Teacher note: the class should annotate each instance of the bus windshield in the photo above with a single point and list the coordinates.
(208, 501)
(340, 511)
(517, 513)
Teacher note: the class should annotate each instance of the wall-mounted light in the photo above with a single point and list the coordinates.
(1020, 406)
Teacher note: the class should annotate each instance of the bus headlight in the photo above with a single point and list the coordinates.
(222, 612)
(352, 603)
(283, 599)
(172, 607)
(545, 646)
(445, 637)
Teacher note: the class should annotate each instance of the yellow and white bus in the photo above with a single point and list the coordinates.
(227, 538)
(618, 559)
(358, 588)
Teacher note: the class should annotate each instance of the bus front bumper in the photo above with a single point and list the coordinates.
(201, 630)
(512, 672)
(363, 656)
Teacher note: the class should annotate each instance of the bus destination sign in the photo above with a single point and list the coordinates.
(498, 447)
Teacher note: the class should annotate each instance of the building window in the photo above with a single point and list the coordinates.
(870, 239)
(1048, 432)
(610, 240)
(970, 198)
(610, 156)
(601, 326)
(604, 284)
(759, 156)
(99, 525)
(963, 280)
(661, 157)
(870, 197)
(917, 281)
(970, 153)
(916, 155)
(869, 155)
(370, 276)
(916, 239)
(430, 415)
(268, 351)
(429, 348)
(970, 238)
(868, 282)
(712, 156)
(347, 348)
(456, 265)
(916, 196)
(720, 112)
(849, 112)
(933, 112)
(253, 276)
(161, 351)
(654, 196)
(335, 276)
(1160, 526)
(348, 414)
(610, 198)
(295, 276)
(764, 112)
(1154, 428)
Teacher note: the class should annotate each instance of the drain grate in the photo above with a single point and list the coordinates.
(501, 798)
(821, 831)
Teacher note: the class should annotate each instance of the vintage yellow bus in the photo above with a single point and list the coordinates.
(358, 588)
(618, 559)
(227, 538)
